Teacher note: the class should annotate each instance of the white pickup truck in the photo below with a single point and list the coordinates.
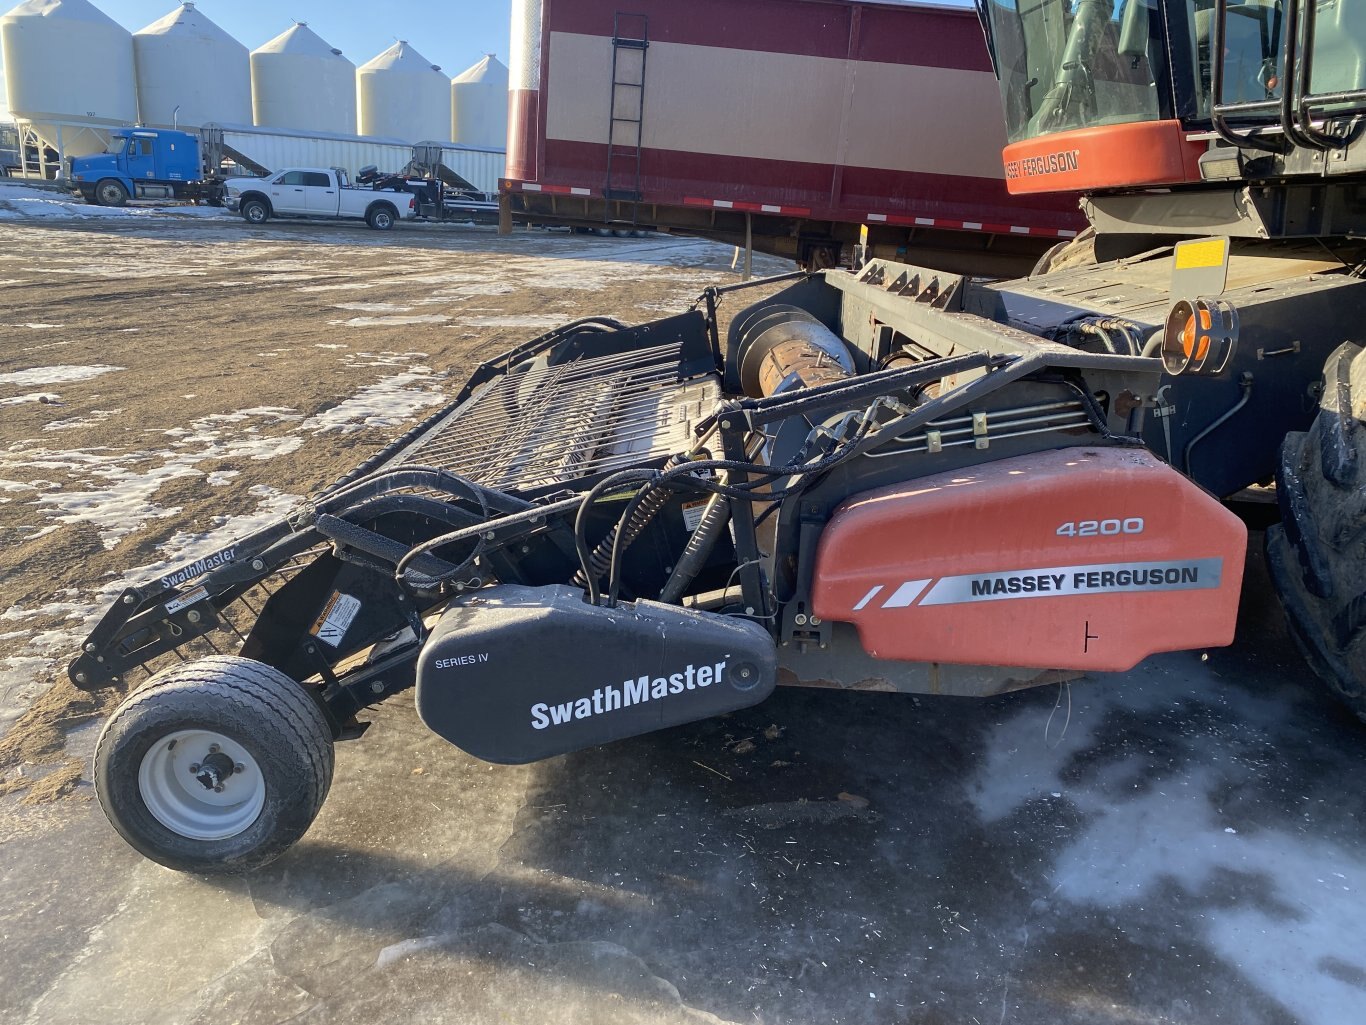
(315, 192)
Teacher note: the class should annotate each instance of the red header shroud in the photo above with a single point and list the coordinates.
(1079, 558)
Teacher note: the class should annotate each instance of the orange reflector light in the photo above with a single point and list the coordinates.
(1188, 335)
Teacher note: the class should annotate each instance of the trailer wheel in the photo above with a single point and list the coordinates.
(216, 766)
(110, 192)
(380, 217)
(1317, 555)
(255, 211)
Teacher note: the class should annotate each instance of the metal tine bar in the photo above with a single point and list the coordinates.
(558, 395)
(441, 450)
(628, 389)
(487, 403)
(484, 408)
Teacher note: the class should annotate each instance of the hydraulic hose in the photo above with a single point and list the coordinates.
(645, 511)
(698, 549)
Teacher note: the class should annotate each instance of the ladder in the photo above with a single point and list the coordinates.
(630, 41)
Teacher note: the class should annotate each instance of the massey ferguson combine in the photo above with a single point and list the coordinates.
(892, 478)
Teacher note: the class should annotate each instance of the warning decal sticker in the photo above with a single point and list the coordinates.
(337, 616)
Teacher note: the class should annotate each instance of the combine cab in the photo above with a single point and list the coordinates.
(895, 478)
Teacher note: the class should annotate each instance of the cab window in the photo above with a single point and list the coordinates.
(317, 178)
(292, 178)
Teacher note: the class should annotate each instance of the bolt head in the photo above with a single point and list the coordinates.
(489, 535)
(239, 767)
(799, 619)
(376, 686)
(258, 564)
(128, 599)
(81, 678)
(90, 647)
(815, 620)
(218, 789)
(194, 767)
(193, 615)
(213, 749)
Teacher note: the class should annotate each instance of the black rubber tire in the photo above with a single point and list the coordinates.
(380, 217)
(110, 192)
(254, 705)
(255, 211)
(1317, 554)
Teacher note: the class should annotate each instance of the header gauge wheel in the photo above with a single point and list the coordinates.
(216, 766)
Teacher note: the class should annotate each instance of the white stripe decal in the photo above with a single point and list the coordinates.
(529, 187)
(724, 204)
(765, 208)
(578, 192)
(973, 225)
(877, 217)
(1067, 234)
(1016, 230)
(868, 597)
(905, 594)
(928, 221)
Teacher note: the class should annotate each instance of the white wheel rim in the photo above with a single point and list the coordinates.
(177, 777)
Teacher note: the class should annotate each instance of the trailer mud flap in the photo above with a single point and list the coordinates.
(515, 674)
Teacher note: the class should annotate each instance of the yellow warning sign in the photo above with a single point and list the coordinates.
(1209, 252)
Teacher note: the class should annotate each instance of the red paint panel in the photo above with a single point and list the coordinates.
(1072, 559)
(524, 116)
(668, 177)
(1109, 157)
(815, 28)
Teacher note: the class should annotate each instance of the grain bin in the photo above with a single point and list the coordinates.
(299, 81)
(184, 60)
(479, 105)
(68, 70)
(402, 95)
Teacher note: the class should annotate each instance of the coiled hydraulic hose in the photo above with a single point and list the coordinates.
(645, 511)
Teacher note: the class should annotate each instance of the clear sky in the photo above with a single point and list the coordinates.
(451, 33)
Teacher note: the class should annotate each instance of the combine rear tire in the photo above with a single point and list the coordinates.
(1317, 554)
(216, 766)
(110, 192)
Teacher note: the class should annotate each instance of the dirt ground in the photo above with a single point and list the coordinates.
(1181, 843)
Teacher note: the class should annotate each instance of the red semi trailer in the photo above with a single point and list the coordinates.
(792, 122)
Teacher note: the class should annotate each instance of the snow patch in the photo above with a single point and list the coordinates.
(384, 404)
(55, 375)
(402, 321)
(534, 320)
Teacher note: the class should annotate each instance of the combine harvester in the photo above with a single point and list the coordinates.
(898, 478)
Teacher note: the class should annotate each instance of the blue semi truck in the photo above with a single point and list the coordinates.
(146, 163)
